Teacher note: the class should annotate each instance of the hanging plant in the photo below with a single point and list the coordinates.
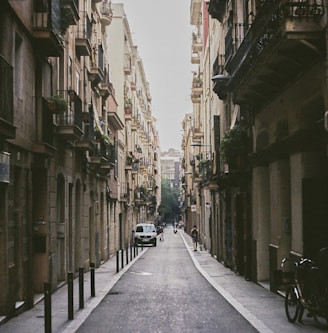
(57, 104)
(232, 143)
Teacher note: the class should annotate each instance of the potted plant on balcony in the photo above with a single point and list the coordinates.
(57, 104)
(197, 81)
(233, 143)
(108, 141)
(127, 105)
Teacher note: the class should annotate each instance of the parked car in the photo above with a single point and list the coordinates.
(145, 233)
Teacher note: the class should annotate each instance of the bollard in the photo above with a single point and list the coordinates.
(81, 288)
(131, 252)
(70, 296)
(134, 250)
(47, 307)
(117, 262)
(92, 279)
(127, 255)
(122, 258)
(141, 247)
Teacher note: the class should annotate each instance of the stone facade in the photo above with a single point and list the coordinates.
(263, 72)
(63, 142)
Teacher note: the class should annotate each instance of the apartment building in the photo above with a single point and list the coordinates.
(64, 199)
(140, 174)
(170, 166)
(262, 112)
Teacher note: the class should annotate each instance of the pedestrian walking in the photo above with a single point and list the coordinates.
(194, 236)
(161, 235)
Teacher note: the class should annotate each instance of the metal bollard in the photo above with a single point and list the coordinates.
(47, 307)
(127, 255)
(134, 250)
(131, 252)
(81, 288)
(117, 262)
(122, 257)
(70, 296)
(92, 279)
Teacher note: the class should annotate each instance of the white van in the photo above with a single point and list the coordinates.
(145, 233)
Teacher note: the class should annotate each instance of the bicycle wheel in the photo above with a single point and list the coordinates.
(292, 304)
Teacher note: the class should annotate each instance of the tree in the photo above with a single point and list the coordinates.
(169, 207)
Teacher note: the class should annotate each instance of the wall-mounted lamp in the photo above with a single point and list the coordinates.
(198, 144)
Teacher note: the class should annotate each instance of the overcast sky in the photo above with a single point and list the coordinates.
(162, 32)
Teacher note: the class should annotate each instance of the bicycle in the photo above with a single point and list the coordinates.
(309, 291)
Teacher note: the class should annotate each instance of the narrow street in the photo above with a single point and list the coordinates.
(164, 292)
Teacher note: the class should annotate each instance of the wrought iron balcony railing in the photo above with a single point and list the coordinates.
(83, 35)
(275, 28)
(47, 24)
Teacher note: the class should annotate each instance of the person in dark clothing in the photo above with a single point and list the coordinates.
(194, 236)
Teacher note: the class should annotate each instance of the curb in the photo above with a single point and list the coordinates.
(82, 315)
(253, 320)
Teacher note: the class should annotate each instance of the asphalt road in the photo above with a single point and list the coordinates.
(163, 292)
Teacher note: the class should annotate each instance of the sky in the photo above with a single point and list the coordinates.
(162, 32)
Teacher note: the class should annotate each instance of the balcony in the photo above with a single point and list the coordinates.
(99, 158)
(106, 13)
(196, 99)
(197, 134)
(105, 87)
(69, 13)
(87, 141)
(7, 128)
(115, 120)
(83, 36)
(195, 58)
(140, 195)
(127, 64)
(134, 124)
(125, 192)
(195, 10)
(197, 45)
(285, 40)
(217, 8)
(129, 161)
(47, 28)
(69, 122)
(197, 87)
(43, 143)
(96, 73)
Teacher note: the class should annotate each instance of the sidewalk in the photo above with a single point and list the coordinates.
(32, 321)
(262, 308)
